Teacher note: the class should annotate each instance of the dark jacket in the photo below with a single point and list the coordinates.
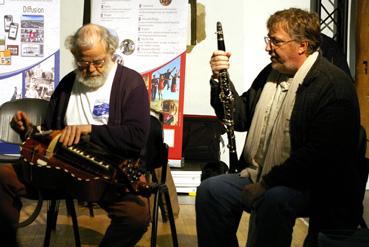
(324, 131)
(128, 124)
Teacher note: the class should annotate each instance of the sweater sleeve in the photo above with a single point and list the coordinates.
(129, 118)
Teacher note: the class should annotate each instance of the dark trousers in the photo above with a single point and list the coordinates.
(219, 210)
(129, 214)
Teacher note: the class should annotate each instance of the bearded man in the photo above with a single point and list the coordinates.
(108, 104)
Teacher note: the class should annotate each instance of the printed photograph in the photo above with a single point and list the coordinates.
(32, 35)
(39, 82)
(164, 91)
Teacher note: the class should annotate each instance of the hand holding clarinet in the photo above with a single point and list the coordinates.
(219, 63)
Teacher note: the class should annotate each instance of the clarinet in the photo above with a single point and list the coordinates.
(227, 98)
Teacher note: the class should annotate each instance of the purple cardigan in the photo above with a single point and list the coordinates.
(129, 113)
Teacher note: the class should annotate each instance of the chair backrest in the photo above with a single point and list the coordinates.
(34, 108)
(333, 53)
(156, 151)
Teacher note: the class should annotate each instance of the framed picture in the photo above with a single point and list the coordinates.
(5, 57)
(32, 36)
(14, 49)
(32, 50)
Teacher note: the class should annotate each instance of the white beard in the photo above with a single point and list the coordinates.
(94, 82)
(91, 82)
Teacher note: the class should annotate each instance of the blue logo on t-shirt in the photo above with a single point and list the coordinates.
(100, 110)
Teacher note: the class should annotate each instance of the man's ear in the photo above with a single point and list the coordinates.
(303, 48)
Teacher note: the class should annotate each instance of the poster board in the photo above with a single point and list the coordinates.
(152, 40)
(29, 51)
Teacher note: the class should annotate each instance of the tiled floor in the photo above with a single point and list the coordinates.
(92, 228)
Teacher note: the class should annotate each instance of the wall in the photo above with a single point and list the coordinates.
(71, 18)
(244, 29)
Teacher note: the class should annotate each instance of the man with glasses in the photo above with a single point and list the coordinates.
(302, 118)
(107, 103)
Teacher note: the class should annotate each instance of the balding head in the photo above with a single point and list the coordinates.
(89, 35)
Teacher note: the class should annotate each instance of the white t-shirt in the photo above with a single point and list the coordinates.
(90, 107)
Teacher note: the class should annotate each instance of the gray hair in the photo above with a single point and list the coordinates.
(299, 24)
(86, 36)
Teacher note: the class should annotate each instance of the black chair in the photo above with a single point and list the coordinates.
(360, 237)
(350, 238)
(36, 111)
(156, 156)
(52, 215)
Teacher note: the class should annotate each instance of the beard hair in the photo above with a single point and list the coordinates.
(96, 81)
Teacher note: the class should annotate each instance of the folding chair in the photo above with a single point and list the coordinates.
(156, 156)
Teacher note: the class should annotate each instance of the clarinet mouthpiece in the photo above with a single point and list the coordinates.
(220, 37)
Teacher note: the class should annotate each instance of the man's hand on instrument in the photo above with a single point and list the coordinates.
(21, 122)
(219, 61)
(72, 134)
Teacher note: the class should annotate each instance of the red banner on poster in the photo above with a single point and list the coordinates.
(166, 91)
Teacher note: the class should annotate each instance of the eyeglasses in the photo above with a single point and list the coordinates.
(275, 42)
(96, 63)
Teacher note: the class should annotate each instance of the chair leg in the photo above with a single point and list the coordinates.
(163, 191)
(51, 219)
(170, 216)
(91, 209)
(52, 215)
(163, 210)
(72, 212)
(154, 225)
